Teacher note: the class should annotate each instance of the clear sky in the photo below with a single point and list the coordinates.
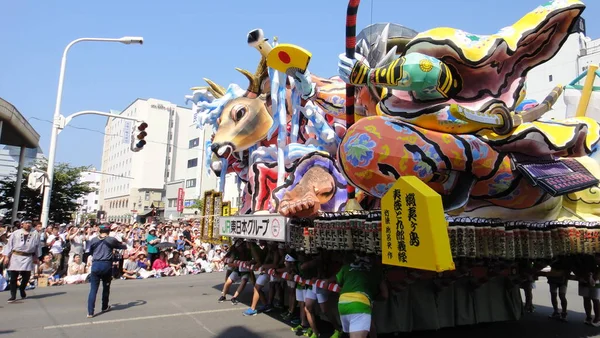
(184, 42)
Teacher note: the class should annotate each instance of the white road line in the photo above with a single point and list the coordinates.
(138, 318)
(195, 319)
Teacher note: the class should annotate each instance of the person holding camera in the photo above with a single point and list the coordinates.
(76, 238)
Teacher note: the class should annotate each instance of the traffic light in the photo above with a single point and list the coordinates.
(137, 139)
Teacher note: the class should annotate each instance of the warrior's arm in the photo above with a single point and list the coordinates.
(426, 76)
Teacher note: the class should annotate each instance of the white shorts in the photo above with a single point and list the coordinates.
(320, 295)
(356, 322)
(235, 276)
(262, 280)
(589, 292)
(275, 279)
(300, 295)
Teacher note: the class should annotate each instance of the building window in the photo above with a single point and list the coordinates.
(172, 202)
(190, 183)
(96, 202)
(193, 163)
(195, 142)
(550, 78)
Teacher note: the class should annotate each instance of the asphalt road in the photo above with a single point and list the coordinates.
(186, 307)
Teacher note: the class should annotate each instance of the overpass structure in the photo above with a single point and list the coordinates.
(15, 130)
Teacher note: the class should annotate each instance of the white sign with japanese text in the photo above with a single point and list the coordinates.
(270, 227)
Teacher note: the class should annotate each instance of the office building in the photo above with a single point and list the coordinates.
(89, 204)
(196, 178)
(134, 186)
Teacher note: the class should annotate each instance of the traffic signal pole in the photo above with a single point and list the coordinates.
(64, 121)
(60, 122)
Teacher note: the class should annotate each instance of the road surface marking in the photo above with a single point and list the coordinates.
(195, 319)
(138, 318)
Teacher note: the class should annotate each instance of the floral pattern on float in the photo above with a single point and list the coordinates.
(376, 151)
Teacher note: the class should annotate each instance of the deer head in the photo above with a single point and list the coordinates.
(245, 121)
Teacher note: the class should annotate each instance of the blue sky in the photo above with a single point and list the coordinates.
(184, 42)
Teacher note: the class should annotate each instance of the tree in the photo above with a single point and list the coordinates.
(198, 204)
(66, 190)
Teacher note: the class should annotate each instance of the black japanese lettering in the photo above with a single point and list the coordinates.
(265, 226)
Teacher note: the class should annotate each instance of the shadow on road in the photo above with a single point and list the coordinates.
(119, 306)
(239, 331)
(7, 331)
(535, 324)
(46, 295)
(245, 298)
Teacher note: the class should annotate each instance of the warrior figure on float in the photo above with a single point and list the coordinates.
(444, 105)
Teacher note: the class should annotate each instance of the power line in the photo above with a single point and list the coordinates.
(111, 135)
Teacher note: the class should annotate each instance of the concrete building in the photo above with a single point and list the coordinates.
(196, 178)
(136, 185)
(574, 57)
(90, 203)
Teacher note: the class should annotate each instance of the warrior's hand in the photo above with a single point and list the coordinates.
(353, 71)
(304, 84)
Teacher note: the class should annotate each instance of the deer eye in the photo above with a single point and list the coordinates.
(238, 112)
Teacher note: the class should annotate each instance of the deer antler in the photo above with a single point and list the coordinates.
(256, 78)
(215, 89)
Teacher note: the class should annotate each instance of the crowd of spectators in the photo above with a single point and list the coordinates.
(176, 248)
(153, 251)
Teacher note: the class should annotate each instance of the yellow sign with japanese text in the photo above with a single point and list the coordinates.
(414, 228)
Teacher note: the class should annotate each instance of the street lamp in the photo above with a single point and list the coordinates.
(57, 117)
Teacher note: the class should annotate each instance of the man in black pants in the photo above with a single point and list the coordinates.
(101, 250)
(21, 253)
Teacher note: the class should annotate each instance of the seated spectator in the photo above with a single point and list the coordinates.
(190, 265)
(76, 272)
(203, 263)
(130, 268)
(215, 257)
(143, 262)
(161, 265)
(177, 263)
(48, 268)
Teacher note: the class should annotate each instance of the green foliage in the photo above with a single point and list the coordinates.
(65, 192)
(198, 204)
